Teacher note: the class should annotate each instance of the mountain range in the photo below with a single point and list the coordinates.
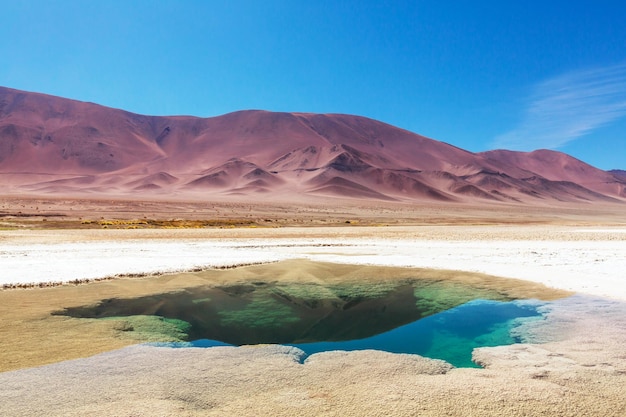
(58, 146)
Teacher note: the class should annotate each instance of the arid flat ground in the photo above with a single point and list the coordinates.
(574, 363)
(72, 212)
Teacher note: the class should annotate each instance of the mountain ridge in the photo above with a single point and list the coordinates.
(53, 145)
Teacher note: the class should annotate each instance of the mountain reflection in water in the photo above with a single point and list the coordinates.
(437, 319)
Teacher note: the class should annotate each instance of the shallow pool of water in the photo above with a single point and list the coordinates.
(450, 335)
(436, 319)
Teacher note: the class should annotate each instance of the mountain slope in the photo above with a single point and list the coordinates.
(54, 145)
(619, 173)
(557, 166)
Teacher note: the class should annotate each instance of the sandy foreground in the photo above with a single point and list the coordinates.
(573, 364)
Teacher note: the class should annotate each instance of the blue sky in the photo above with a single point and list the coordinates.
(480, 75)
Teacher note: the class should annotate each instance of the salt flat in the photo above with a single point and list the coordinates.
(582, 260)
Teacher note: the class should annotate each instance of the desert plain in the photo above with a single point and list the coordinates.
(58, 253)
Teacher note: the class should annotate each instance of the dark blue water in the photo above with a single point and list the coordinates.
(450, 335)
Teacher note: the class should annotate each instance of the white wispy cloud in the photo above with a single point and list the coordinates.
(567, 107)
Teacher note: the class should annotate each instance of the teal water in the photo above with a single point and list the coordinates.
(450, 335)
(436, 319)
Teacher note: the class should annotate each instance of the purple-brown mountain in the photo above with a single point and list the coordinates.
(55, 145)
